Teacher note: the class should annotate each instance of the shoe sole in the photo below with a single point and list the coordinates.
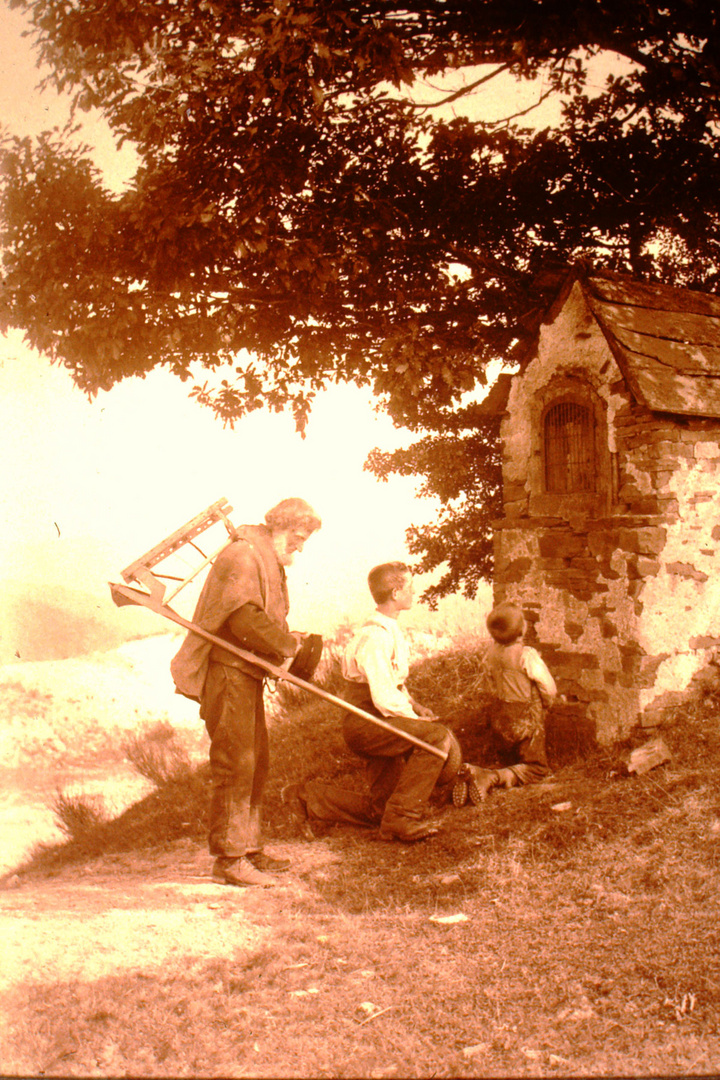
(262, 881)
(476, 795)
(460, 795)
(243, 884)
(394, 838)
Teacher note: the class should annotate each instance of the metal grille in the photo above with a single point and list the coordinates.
(569, 448)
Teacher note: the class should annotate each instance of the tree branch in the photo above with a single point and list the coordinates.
(462, 91)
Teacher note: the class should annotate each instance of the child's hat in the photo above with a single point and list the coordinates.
(505, 623)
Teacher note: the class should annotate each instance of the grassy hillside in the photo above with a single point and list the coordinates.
(566, 929)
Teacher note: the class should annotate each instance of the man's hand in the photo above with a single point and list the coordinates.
(299, 638)
(424, 712)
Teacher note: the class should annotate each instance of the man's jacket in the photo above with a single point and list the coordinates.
(245, 601)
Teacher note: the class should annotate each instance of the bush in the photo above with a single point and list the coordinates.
(156, 754)
(78, 816)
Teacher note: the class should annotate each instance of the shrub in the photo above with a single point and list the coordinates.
(78, 816)
(156, 754)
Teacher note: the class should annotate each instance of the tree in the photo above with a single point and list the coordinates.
(297, 218)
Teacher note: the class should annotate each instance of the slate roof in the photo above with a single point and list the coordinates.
(665, 340)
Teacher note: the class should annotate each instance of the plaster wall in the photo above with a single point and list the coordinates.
(681, 603)
(618, 587)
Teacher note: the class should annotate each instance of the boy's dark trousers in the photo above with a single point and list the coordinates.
(520, 730)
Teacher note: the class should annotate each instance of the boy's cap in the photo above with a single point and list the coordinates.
(505, 623)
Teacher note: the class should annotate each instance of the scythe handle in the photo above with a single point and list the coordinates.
(123, 594)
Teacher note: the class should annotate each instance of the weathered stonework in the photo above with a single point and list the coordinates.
(617, 583)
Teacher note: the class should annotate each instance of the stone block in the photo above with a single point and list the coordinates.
(516, 570)
(559, 544)
(551, 566)
(707, 450)
(631, 657)
(662, 438)
(583, 565)
(686, 570)
(646, 505)
(569, 664)
(662, 478)
(648, 669)
(642, 541)
(514, 492)
(644, 758)
(704, 641)
(603, 542)
(672, 464)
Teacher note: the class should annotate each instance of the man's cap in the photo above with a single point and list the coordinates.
(307, 657)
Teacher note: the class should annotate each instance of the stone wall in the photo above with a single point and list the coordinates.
(617, 585)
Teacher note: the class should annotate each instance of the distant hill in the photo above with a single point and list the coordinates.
(62, 713)
(52, 622)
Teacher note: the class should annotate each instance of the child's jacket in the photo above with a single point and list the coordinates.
(512, 669)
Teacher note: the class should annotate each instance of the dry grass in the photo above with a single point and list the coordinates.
(155, 753)
(78, 816)
(589, 944)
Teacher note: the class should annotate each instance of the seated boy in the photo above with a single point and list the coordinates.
(522, 689)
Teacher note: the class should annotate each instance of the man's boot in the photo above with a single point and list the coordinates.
(409, 831)
(480, 782)
(294, 799)
(460, 787)
(267, 863)
(407, 825)
(240, 872)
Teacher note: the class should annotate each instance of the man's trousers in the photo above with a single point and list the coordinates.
(401, 777)
(234, 714)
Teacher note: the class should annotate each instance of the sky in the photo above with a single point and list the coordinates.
(90, 485)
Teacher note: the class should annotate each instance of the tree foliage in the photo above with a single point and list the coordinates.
(297, 218)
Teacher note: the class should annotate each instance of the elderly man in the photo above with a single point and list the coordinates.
(245, 601)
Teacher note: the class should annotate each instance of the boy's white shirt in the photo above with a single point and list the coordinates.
(379, 655)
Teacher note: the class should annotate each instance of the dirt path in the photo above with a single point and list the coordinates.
(124, 915)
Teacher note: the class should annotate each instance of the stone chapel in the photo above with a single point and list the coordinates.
(610, 539)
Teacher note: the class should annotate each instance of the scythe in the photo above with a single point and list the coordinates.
(141, 571)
